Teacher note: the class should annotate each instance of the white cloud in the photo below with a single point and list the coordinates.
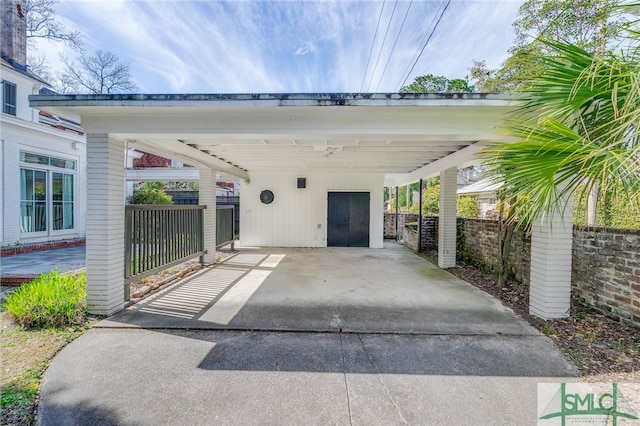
(288, 46)
(304, 50)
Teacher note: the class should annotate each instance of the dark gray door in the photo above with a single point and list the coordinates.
(348, 224)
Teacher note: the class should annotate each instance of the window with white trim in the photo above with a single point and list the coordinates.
(47, 191)
(8, 97)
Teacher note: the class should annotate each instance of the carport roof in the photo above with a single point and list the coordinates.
(406, 136)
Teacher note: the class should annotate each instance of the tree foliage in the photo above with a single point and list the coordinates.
(431, 200)
(430, 83)
(150, 193)
(621, 212)
(580, 124)
(100, 73)
(467, 206)
(588, 24)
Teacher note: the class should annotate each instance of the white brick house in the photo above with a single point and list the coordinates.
(42, 156)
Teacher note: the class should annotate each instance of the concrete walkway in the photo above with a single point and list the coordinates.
(307, 336)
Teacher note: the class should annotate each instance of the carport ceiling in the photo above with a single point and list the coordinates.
(395, 134)
(357, 153)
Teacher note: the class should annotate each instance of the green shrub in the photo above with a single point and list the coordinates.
(51, 300)
(620, 210)
(431, 200)
(467, 206)
(150, 193)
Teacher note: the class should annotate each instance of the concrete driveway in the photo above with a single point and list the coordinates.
(307, 336)
(388, 290)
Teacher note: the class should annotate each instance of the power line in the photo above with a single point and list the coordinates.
(427, 42)
(364, 76)
(382, 46)
(424, 40)
(394, 45)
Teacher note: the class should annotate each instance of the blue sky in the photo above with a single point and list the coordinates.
(289, 46)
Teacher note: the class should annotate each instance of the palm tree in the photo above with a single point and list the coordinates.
(578, 129)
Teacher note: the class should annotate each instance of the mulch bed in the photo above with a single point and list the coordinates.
(599, 346)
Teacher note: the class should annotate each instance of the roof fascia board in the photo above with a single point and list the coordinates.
(274, 99)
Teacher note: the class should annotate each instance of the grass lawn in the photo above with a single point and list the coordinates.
(25, 355)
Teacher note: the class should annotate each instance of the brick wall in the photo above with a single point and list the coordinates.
(605, 264)
(410, 238)
(606, 270)
(30, 248)
(390, 223)
(430, 233)
(481, 244)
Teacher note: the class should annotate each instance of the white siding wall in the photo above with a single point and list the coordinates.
(298, 217)
(2, 190)
(25, 86)
(23, 132)
(11, 190)
(46, 141)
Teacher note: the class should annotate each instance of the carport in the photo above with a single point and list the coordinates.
(292, 151)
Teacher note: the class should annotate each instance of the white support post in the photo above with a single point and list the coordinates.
(105, 224)
(592, 206)
(447, 218)
(208, 198)
(550, 278)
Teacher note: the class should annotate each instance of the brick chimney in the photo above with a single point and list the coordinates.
(14, 33)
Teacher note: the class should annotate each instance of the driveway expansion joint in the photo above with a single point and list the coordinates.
(384, 385)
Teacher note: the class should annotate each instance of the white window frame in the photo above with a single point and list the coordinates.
(14, 106)
(49, 170)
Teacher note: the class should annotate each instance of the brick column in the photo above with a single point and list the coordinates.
(208, 198)
(550, 279)
(105, 224)
(447, 220)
